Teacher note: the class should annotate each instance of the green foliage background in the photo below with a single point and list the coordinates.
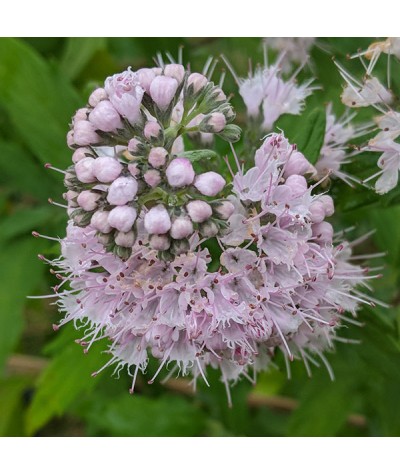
(42, 82)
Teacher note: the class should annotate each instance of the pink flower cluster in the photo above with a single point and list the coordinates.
(129, 159)
(283, 282)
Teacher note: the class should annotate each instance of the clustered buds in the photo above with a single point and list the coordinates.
(130, 164)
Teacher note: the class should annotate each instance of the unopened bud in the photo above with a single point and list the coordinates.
(176, 71)
(180, 173)
(125, 239)
(208, 229)
(213, 123)
(157, 157)
(328, 205)
(97, 95)
(87, 200)
(152, 130)
(225, 209)
(100, 221)
(105, 117)
(157, 220)
(160, 242)
(162, 91)
(107, 169)
(122, 190)
(297, 184)
(84, 170)
(182, 227)
(84, 133)
(122, 218)
(197, 82)
(80, 153)
(152, 178)
(199, 211)
(209, 183)
(231, 133)
(146, 76)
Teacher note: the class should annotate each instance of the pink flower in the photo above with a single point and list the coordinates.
(107, 169)
(125, 93)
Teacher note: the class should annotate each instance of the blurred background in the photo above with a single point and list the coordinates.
(45, 385)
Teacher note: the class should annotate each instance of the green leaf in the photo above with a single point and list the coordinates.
(324, 407)
(140, 416)
(77, 54)
(310, 133)
(26, 220)
(20, 274)
(11, 403)
(39, 100)
(67, 377)
(19, 172)
(197, 155)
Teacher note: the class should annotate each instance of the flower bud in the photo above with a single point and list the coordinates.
(209, 183)
(208, 229)
(327, 202)
(181, 246)
(152, 130)
(297, 184)
(178, 146)
(225, 209)
(176, 71)
(135, 146)
(182, 227)
(162, 91)
(197, 81)
(97, 95)
(297, 164)
(180, 172)
(317, 211)
(323, 232)
(125, 239)
(157, 157)
(157, 220)
(133, 169)
(84, 170)
(152, 178)
(146, 76)
(100, 221)
(87, 200)
(105, 117)
(199, 211)
(80, 114)
(105, 239)
(80, 153)
(231, 133)
(220, 95)
(213, 123)
(84, 133)
(160, 242)
(70, 139)
(107, 169)
(122, 218)
(122, 190)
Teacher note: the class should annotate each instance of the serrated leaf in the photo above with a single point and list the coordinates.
(141, 416)
(310, 134)
(20, 274)
(78, 52)
(67, 377)
(39, 100)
